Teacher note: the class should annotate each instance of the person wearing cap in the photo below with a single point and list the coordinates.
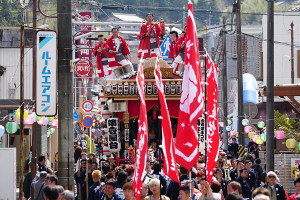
(38, 184)
(276, 189)
(297, 186)
(242, 179)
(149, 42)
(109, 191)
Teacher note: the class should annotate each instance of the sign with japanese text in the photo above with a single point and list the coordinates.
(295, 162)
(46, 87)
(83, 68)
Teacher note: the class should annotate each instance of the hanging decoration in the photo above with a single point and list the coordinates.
(263, 137)
(48, 133)
(29, 119)
(229, 122)
(2, 130)
(247, 129)
(259, 141)
(52, 130)
(291, 143)
(12, 127)
(36, 118)
(228, 128)
(261, 124)
(18, 113)
(43, 121)
(254, 137)
(54, 122)
(251, 134)
(232, 133)
(245, 122)
(279, 134)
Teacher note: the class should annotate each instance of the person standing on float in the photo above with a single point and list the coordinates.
(149, 38)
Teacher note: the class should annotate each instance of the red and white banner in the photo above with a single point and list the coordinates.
(192, 98)
(168, 146)
(142, 140)
(212, 119)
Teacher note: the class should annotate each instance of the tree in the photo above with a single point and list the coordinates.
(291, 127)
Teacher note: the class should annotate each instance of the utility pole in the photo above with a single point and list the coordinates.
(21, 112)
(224, 75)
(65, 95)
(270, 87)
(34, 125)
(292, 53)
(240, 73)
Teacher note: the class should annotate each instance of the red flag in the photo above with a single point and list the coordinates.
(212, 119)
(142, 140)
(170, 167)
(191, 101)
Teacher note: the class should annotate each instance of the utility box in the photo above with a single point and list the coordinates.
(8, 173)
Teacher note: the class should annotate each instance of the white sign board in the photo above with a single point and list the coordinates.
(46, 74)
(8, 173)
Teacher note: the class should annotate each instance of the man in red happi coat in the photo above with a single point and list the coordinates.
(179, 49)
(149, 42)
(173, 53)
(100, 51)
(118, 53)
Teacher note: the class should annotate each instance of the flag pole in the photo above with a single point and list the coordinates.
(205, 112)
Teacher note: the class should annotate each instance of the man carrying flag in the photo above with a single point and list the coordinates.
(192, 101)
(142, 140)
(170, 167)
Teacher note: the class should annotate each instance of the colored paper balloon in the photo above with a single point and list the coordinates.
(232, 133)
(291, 143)
(245, 122)
(36, 118)
(263, 137)
(29, 119)
(43, 121)
(254, 137)
(261, 124)
(2, 130)
(247, 129)
(258, 141)
(279, 134)
(54, 122)
(229, 122)
(12, 127)
(51, 118)
(52, 130)
(228, 128)
(299, 146)
(251, 134)
(18, 113)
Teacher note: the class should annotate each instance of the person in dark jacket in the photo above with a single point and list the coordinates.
(276, 189)
(96, 175)
(234, 173)
(242, 179)
(251, 179)
(222, 181)
(109, 191)
(157, 174)
(234, 148)
(258, 172)
(82, 180)
(173, 188)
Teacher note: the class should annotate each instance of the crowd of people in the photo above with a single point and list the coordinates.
(234, 179)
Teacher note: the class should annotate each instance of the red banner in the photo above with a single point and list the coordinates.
(142, 140)
(212, 119)
(191, 101)
(170, 167)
